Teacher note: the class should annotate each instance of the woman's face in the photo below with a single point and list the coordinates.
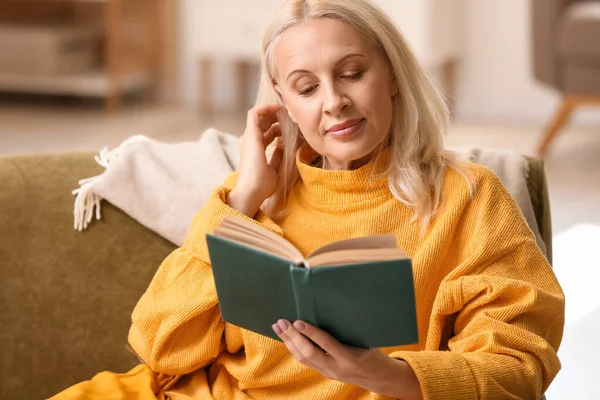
(337, 88)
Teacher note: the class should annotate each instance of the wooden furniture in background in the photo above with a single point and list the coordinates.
(132, 55)
(569, 103)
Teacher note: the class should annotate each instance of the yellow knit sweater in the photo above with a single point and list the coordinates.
(490, 310)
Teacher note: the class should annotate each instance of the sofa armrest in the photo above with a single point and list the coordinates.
(540, 200)
(66, 296)
(545, 17)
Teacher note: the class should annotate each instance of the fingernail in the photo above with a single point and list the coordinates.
(283, 324)
(300, 325)
(276, 329)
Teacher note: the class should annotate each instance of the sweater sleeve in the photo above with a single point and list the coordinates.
(176, 325)
(508, 305)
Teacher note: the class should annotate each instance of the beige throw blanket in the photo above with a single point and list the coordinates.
(163, 185)
(160, 185)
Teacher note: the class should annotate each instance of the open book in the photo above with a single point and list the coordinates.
(362, 293)
(349, 251)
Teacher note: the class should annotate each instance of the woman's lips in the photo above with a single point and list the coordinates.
(345, 129)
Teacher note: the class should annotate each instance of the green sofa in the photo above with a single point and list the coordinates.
(67, 296)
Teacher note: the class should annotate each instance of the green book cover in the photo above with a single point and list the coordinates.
(367, 304)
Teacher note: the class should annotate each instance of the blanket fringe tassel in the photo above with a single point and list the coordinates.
(87, 202)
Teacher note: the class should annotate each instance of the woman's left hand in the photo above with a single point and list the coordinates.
(371, 369)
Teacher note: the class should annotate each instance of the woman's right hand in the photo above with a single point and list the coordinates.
(258, 177)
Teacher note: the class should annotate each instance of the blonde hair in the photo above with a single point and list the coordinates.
(418, 161)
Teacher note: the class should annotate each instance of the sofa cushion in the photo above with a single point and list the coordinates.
(65, 296)
(579, 34)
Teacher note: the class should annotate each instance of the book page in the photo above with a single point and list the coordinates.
(348, 251)
(253, 235)
(355, 256)
(257, 243)
(366, 242)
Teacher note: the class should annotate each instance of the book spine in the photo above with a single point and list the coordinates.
(305, 304)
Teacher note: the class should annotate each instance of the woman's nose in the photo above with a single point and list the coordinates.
(335, 101)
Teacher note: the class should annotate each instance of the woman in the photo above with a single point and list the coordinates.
(359, 129)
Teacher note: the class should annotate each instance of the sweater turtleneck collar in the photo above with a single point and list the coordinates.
(323, 186)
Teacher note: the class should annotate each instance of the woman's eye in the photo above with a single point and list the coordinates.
(353, 77)
(305, 91)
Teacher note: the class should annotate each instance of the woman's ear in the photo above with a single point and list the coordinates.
(287, 110)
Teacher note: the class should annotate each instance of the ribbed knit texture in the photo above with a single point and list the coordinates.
(490, 311)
